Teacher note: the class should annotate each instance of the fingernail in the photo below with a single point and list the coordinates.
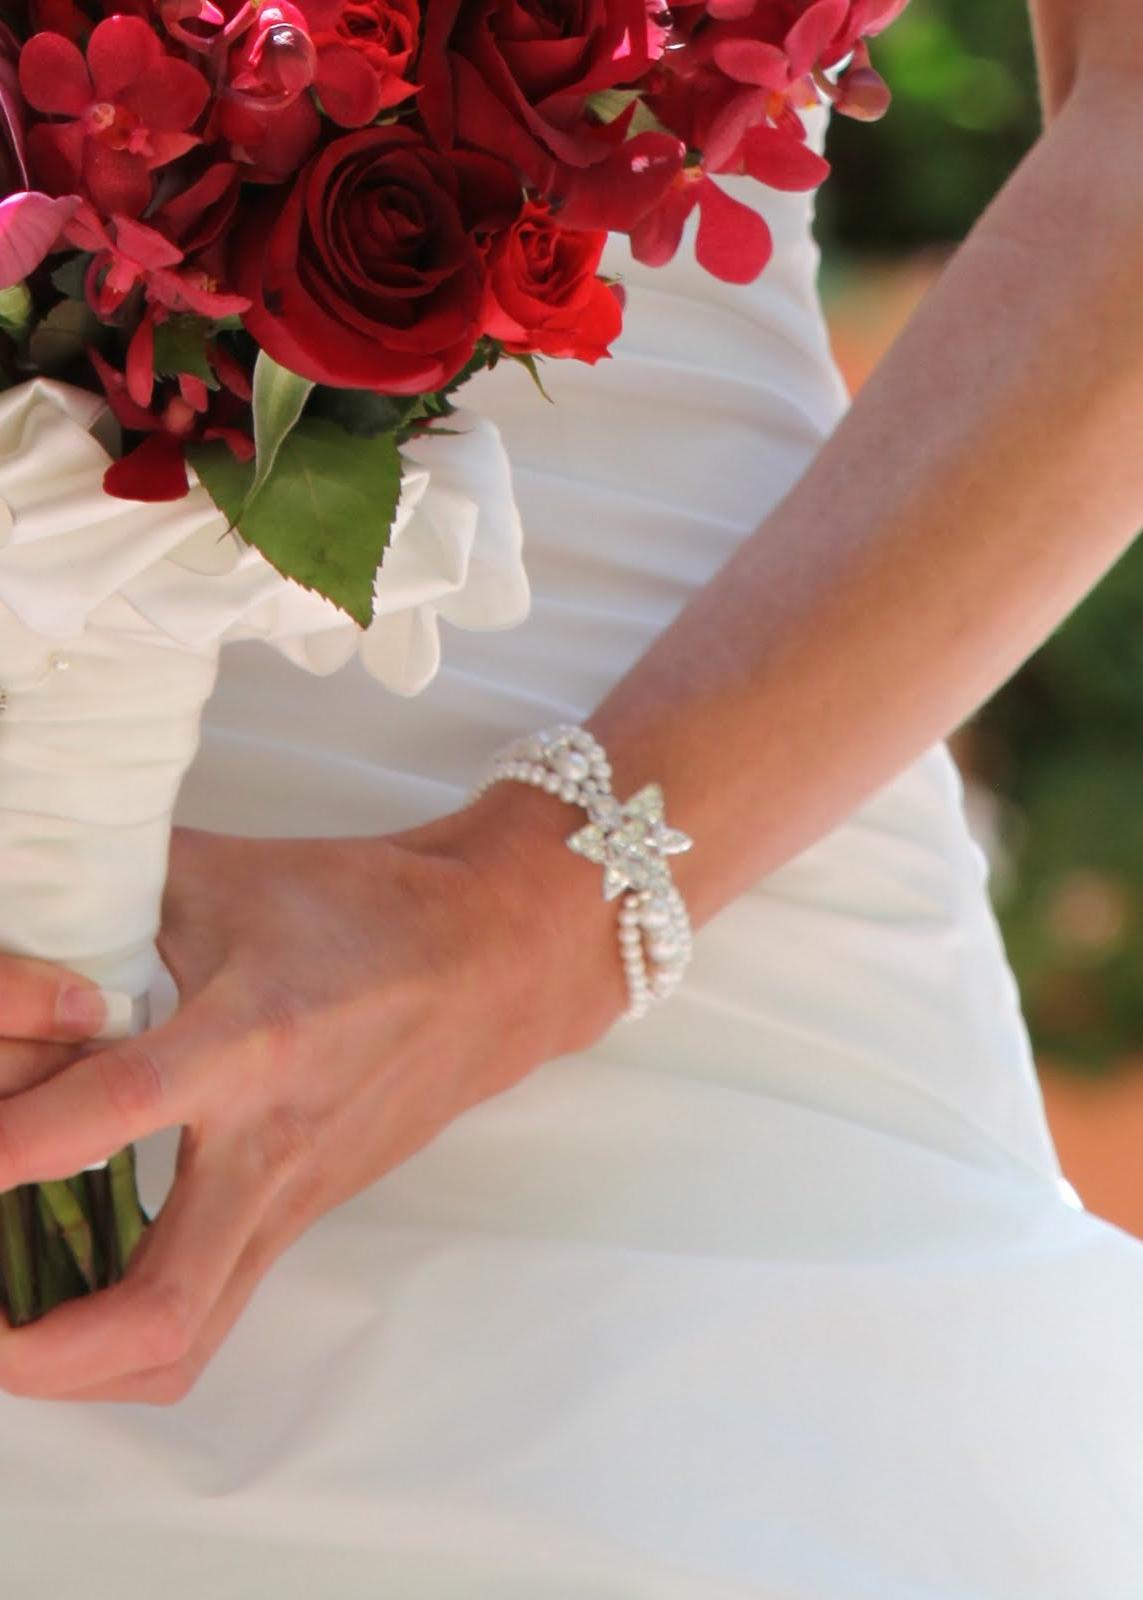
(108, 1010)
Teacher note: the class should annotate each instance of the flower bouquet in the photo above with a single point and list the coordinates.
(250, 253)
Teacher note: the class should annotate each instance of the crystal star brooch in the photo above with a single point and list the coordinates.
(630, 842)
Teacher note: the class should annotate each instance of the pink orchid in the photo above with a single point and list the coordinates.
(31, 225)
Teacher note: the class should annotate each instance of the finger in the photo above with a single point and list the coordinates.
(154, 1317)
(107, 1100)
(24, 1062)
(167, 1385)
(39, 1000)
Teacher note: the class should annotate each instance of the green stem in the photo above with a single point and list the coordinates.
(129, 1219)
(60, 1277)
(69, 1237)
(17, 1272)
(63, 1212)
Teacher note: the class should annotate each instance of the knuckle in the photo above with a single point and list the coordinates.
(283, 1140)
(131, 1079)
(165, 1324)
(279, 1008)
(299, 1206)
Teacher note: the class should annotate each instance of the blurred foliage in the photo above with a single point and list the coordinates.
(1062, 742)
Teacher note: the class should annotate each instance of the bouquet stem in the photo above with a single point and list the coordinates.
(91, 759)
(68, 1238)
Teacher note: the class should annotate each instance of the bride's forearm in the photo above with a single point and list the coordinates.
(981, 483)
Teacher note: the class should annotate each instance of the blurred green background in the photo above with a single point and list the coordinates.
(1060, 748)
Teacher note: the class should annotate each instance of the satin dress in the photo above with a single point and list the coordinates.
(778, 1294)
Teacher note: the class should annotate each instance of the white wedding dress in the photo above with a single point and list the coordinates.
(776, 1295)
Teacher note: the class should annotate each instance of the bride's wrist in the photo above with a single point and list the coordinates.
(551, 936)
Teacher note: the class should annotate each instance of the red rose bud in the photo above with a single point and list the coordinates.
(276, 59)
(543, 295)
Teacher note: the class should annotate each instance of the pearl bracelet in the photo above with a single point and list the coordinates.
(630, 842)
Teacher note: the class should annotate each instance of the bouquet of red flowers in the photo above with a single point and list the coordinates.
(247, 221)
(274, 238)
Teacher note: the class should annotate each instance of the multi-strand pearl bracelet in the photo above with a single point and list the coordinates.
(631, 842)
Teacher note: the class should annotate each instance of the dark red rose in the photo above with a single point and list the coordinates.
(543, 292)
(513, 76)
(370, 272)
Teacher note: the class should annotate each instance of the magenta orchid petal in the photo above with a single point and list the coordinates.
(781, 162)
(54, 76)
(120, 52)
(169, 97)
(732, 242)
(30, 228)
(753, 61)
(141, 363)
(814, 31)
(145, 245)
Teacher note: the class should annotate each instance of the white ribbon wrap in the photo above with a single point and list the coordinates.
(137, 601)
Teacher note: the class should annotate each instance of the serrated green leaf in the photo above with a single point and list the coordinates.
(279, 397)
(15, 310)
(180, 347)
(324, 515)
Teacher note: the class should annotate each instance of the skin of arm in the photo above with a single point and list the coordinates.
(987, 476)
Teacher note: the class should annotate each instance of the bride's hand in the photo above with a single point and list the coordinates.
(341, 1002)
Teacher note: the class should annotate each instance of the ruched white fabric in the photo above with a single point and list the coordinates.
(775, 1294)
(67, 549)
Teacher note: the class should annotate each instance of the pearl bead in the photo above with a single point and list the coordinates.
(573, 766)
(552, 782)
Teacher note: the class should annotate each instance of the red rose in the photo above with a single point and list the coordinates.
(369, 273)
(513, 76)
(384, 32)
(543, 293)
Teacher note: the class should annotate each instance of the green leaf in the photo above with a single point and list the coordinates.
(528, 362)
(180, 347)
(324, 515)
(63, 335)
(279, 396)
(71, 277)
(361, 411)
(15, 310)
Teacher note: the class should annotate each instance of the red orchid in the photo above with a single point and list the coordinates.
(126, 253)
(188, 413)
(732, 241)
(130, 108)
